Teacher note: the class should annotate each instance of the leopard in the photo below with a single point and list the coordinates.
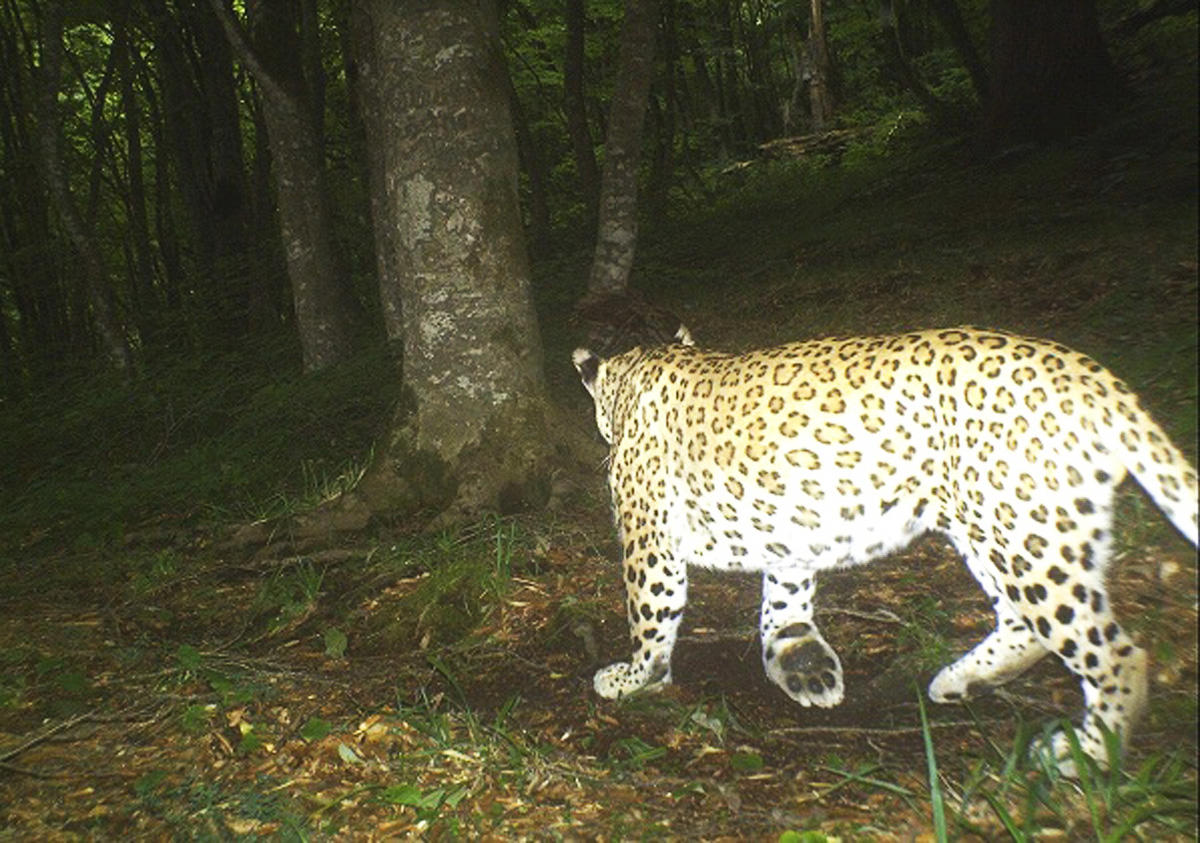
(827, 453)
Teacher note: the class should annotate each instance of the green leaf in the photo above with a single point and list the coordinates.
(804, 837)
(195, 718)
(188, 657)
(335, 642)
(72, 683)
(746, 762)
(315, 729)
(148, 783)
(412, 796)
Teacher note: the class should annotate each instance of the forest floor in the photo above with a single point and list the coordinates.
(216, 678)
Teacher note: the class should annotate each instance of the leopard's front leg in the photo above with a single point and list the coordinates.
(656, 592)
(795, 656)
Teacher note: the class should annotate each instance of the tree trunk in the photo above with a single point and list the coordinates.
(950, 18)
(616, 237)
(819, 96)
(27, 243)
(575, 106)
(1051, 74)
(666, 117)
(472, 434)
(893, 48)
(200, 113)
(281, 66)
(100, 299)
(146, 308)
(369, 93)
(529, 154)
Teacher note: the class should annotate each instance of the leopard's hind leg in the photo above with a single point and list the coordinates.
(1004, 654)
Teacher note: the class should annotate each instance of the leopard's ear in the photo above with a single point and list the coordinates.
(683, 336)
(588, 366)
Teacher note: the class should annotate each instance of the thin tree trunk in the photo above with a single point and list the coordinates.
(575, 105)
(100, 298)
(371, 78)
(324, 311)
(616, 238)
(662, 166)
(529, 153)
(146, 308)
(893, 47)
(819, 96)
(950, 18)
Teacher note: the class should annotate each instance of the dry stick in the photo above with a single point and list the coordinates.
(868, 730)
(46, 734)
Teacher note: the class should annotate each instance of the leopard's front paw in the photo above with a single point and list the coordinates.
(800, 662)
(622, 679)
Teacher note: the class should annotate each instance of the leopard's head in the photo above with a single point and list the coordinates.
(603, 378)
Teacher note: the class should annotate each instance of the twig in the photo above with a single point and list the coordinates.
(869, 730)
(46, 734)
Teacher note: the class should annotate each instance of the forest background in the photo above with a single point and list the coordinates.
(207, 384)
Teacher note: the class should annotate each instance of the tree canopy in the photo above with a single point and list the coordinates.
(154, 155)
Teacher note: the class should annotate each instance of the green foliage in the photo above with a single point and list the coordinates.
(234, 435)
(1030, 797)
(461, 577)
(633, 753)
(335, 642)
(937, 800)
(924, 634)
(746, 761)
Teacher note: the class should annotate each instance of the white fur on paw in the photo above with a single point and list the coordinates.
(946, 687)
(806, 669)
(620, 680)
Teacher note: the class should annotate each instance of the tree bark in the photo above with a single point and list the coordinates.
(324, 309)
(100, 298)
(893, 47)
(616, 238)
(472, 434)
(27, 242)
(202, 129)
(575, 106)
(819, 95)
(950, 18)
(1052, 77)
(146, 308)
(529, 154)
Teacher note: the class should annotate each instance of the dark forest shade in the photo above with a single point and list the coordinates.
(1051, 73)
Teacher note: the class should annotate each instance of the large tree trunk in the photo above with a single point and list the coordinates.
(280, 62)
(1051, 74)
(472, 434)
(616, 238)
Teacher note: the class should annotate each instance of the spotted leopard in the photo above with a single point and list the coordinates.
(832, 452)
